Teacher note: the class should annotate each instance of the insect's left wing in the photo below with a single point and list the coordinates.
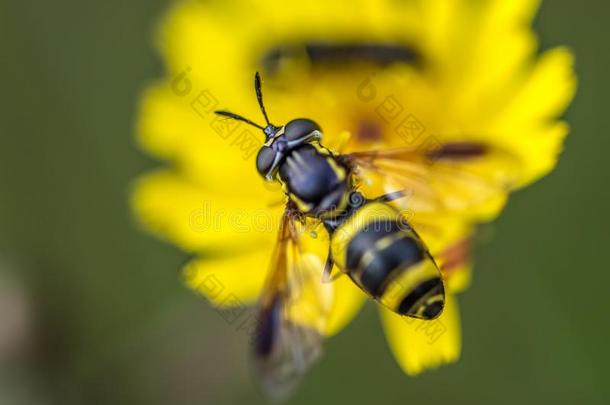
(293, 311)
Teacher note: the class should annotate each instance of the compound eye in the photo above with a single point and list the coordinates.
(297, 129)
(265, 159)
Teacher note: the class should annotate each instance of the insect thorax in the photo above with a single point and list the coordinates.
(315, 181)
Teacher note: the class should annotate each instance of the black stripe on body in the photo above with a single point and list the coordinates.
(366, 239)
(373, 268)
(433, 310)
(412, 303)
(389, 263)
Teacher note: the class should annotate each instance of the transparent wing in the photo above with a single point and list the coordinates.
(449, 178)
(293, 312)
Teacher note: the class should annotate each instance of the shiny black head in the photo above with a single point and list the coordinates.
(279, 141)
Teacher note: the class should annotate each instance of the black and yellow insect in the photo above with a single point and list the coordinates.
(370, 241)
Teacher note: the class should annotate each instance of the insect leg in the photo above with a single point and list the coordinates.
(394, 195)
(327, 276)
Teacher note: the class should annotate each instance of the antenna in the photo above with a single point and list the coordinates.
(259, 95)
(238, 118)
(270, 129)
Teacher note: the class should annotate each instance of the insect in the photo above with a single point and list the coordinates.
(370, 240)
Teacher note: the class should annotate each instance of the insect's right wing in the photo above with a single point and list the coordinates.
(450, 178)
(293, 311)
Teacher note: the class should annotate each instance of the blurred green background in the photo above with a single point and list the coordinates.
(92, 310)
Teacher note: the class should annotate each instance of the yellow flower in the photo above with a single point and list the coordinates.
(447, 71)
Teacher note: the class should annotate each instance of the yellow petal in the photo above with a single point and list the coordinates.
(460, 279)
(490, 39)
(419, 345)
(545, 92)
(229, 281)
(539, 149)
(449, 239)
(179, 210)
(182, 128)
(440, 232)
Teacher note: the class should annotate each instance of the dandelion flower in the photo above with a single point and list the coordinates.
(375, 75)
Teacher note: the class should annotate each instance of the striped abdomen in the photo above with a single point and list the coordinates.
(388, 261)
